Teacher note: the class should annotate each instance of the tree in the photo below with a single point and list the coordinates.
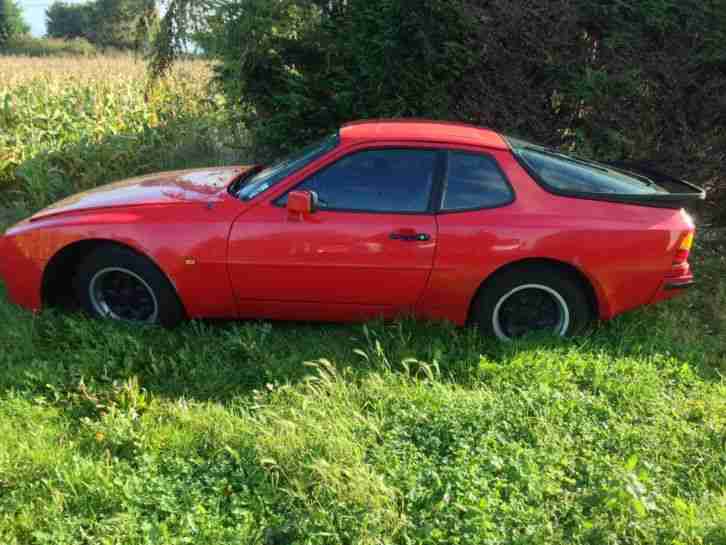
(124, 24)
(612, 79)
(3, 24)
(11, 21)
(69, 20)
(301, 67)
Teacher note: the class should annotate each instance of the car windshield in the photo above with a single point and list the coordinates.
(279, 170)
(573, 174)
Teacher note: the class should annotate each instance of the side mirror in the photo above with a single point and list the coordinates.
(302, 202)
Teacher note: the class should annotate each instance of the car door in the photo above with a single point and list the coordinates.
(368, 246)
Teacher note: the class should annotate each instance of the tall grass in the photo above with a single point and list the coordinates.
(388, 433)
(68, 124)
(257, 433)
(50, 47)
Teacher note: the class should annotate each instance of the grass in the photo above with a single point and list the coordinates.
(69, 124)
(50, 47)
(299, 433)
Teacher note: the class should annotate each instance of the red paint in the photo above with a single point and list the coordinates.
(329, 258)
(258, 260)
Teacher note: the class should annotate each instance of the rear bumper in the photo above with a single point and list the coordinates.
(675, 283)
(680, 285)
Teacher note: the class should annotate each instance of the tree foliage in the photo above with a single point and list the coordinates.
(69, 21)
(304, 67)
(121, 24)
(12, 23)
(637, 80)
(3, 24)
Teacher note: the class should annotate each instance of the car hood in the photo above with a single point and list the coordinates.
(182, 186)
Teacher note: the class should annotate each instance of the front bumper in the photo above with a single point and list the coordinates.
(20, 274)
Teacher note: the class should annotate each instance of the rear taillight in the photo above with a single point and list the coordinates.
(684, 249)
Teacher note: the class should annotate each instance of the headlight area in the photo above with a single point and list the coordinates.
(21, 275)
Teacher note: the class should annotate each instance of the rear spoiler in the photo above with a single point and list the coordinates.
(680, 193)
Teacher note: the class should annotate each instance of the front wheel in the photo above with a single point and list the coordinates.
(532, 299)
(118, 284)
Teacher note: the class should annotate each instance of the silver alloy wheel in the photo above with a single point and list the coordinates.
(134, 300)
(560, 328)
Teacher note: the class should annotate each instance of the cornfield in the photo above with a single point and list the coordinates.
(68, 124)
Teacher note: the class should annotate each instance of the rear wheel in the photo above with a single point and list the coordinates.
(532, 299)
(118, 284)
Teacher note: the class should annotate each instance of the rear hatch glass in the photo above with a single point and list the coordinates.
(572, 176)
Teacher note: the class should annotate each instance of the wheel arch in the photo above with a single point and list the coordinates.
(65, 262)
(596, 304)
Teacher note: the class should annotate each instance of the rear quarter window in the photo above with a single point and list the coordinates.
(474, 181)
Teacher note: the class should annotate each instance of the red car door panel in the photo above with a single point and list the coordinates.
(370, 243)
(331, 257)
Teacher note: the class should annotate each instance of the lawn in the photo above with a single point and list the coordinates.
(301, 433)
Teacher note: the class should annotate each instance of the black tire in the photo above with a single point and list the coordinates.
(143, 275)
(549, 285)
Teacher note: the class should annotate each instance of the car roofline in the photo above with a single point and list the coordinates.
(462, 133)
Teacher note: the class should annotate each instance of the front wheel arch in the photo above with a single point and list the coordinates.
(58, 275)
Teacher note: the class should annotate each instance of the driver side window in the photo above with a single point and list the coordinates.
(380, 180)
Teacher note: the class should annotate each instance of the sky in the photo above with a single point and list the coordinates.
(34, 13)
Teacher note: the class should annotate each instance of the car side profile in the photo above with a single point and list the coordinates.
(441, 220)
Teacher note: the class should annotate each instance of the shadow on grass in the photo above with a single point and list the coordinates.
(55, 355)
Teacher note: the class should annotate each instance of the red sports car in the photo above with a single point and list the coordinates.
(439, 220)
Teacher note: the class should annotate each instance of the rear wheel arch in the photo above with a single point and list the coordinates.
(532, 263)
(58, 275)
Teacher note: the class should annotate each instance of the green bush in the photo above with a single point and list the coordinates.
(619, 80)
(636, 80)
(307, 67)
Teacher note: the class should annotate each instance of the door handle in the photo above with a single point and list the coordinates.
(411, 237)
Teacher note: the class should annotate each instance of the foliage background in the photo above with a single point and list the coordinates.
(643, 81)
(11, 21)
(120, 24)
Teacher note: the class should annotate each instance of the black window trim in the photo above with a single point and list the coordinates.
(431, 209)
(444, 182)
(435, 206)
(259, 168)
(654, 200)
